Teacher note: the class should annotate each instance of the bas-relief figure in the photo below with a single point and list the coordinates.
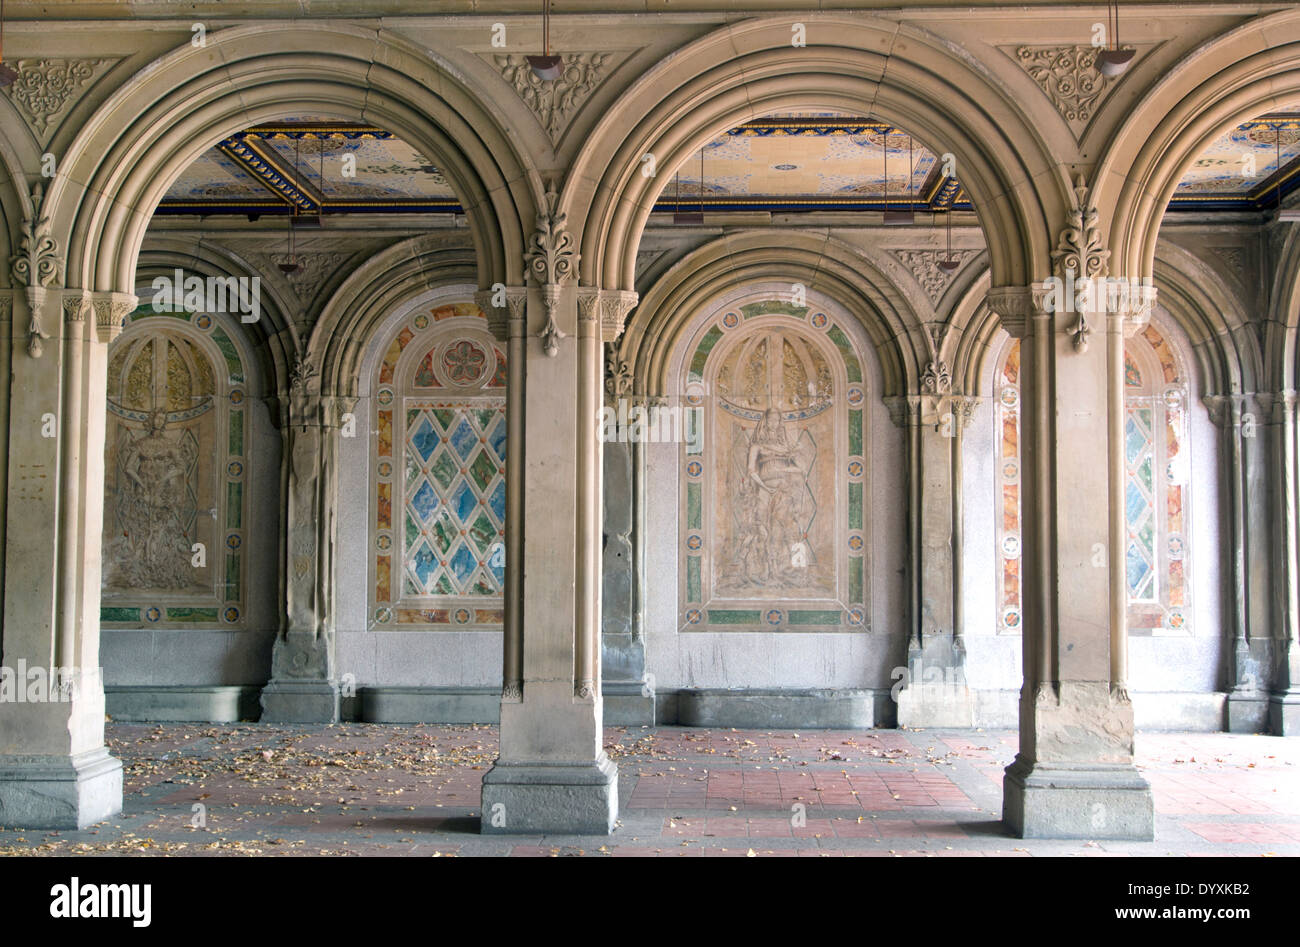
(154, 550)
(160, 436)
(774, 392)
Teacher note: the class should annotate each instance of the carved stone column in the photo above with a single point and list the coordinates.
(1074, 775)
(1284, 701)
(304, 686)
(552, 774)
(1247, 656)
(935, 693)
(629, 695)
(55, 771)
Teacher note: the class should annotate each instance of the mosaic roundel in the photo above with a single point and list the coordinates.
(385, 396)
(855, 396)
(384, 541)
(1010, 470)
(855, 469)
(231, 614)
(383, 615)
(1176, 546)
(1011, 617)
(693, 616)
(464, 362)
(819, 320)
(152, 613)
(421, 321)
(731, 320)
(1011, 546)
(385, 468)
(773, 616)
(233, 541)
(204, 322)
(462, 616)
(234, 469)
(1010, 396)
(1175, 619)
(694, 468)
(693, 541)
(857, 616)
(236, 396)
(855, 542)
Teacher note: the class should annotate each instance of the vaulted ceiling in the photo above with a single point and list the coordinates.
(798, 161)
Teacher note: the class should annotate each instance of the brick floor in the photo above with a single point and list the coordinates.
(359, 789)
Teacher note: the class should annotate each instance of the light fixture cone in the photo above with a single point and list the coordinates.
(546, 68)
(1112, 62)
(287, 268)
(900, 217)
(948, 266)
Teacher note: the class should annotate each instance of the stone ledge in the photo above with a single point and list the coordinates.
(1077, 801)
(416, 704)
(59, 792)
(848, 709)
(182, 703)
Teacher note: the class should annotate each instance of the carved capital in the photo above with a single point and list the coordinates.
(75, 306)
(963, 409)
(111, 310)
(614, 308)
(512, 299)
(588, 304)
(1014, 306)
(904, 410)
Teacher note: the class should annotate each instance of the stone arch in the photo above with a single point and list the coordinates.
(1224, 348)
(359, 308)
(267, 337)
(1241, 74)
(117, 169)
(871, 67)
(1281, 352)
(819, 261)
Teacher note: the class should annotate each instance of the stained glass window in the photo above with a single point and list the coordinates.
(1155, 491)
(439, 468)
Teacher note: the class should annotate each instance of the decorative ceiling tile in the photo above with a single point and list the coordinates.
(555, 103)
(924, 265)
(1069, 77)
(46, 88)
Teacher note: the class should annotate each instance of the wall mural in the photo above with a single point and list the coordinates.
(1156, 457)
(174, 474)
(772, 505)
(439, 466)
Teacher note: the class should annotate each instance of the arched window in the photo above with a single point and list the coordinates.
(1156, 458)
(438, 460)
(175, 462)
(774, 493)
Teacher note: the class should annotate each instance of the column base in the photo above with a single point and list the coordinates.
(59, 792)
(1077, 801)
(1247, 713)
(1284, 714)
(550, 798)
(300, 702)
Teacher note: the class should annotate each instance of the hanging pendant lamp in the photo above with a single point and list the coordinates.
(546, 67)
(948, 264)
(1113, 60)
(290, 265)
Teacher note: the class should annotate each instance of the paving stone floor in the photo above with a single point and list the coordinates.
(363, 789)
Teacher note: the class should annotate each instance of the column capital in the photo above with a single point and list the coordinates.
(609, 306)
(904, 410)
(76, 303)
(1015, 305)
(111, 310)
(501, 304)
